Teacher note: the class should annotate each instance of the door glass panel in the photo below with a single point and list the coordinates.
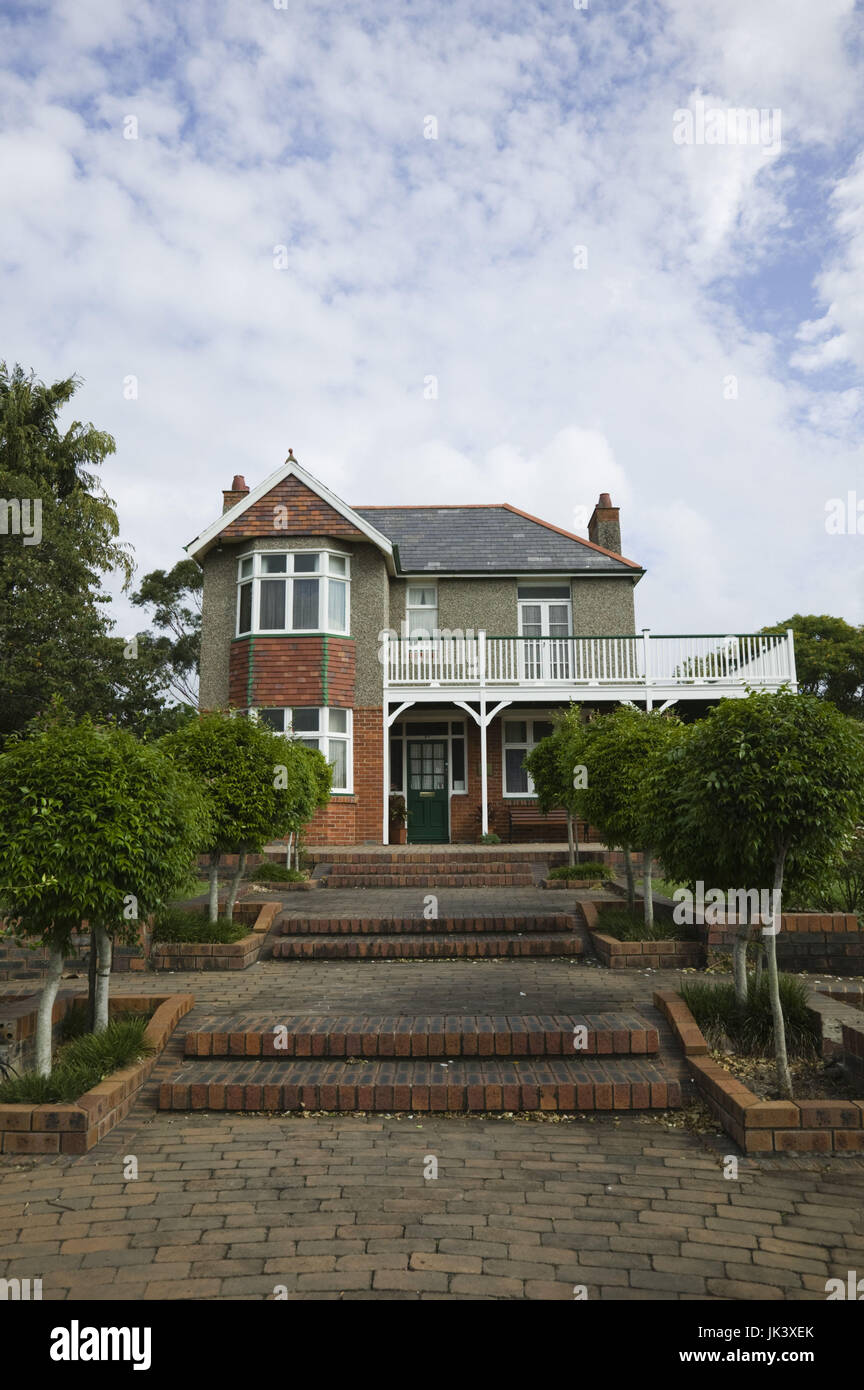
(532, 619)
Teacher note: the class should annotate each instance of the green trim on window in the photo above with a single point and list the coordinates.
(250, 671)
(325, 660)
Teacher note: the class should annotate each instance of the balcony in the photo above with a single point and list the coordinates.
(642, 666)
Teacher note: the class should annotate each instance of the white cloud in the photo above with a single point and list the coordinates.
(451, 257)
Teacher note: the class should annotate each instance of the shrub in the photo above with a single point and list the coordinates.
(178, 925)
(80, 1064)
(747, 1027)
(490, 838)
(582, 870)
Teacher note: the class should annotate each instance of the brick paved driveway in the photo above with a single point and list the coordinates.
(631, 1207)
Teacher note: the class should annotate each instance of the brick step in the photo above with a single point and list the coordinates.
(415, 926)
(484, 1084)
(510, 854)
(418, 878)
(480, 1035)
(426, 947)
(495, 868)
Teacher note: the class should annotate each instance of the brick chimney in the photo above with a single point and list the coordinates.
(604, 527)
(237, 490)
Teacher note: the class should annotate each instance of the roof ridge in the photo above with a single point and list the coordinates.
(571, 535)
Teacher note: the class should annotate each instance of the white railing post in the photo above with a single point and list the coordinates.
(646, 642)
(385, 750)
(793, 674)
(481, 657)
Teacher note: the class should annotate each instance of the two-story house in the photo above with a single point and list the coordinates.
(425, 649)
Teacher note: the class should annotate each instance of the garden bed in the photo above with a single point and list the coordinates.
(805, 1125)
(74, 1127)
(201, 954)
(660, 953)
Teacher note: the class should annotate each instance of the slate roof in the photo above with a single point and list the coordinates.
(494, 538)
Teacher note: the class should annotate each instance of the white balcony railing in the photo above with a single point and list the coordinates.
(638, 661)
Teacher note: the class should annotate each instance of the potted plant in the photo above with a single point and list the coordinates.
(398, 819)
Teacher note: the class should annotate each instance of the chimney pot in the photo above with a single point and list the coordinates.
(604, 528)
(239, 483)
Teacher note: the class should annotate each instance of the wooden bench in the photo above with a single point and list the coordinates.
(531, 815)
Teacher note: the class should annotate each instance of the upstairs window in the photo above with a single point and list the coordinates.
(297, 591)
(421, 611)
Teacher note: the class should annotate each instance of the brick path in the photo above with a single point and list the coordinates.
(632, 1206)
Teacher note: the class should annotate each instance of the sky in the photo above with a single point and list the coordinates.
(460, 252)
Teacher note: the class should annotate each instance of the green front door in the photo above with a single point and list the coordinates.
(427, 792)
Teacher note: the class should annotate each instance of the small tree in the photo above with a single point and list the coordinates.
(94, 827)
(619, 751)
(258, 784)
(553, 765)
(768, 791)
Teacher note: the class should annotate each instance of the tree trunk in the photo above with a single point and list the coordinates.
(103, 979)
(571, 848)
(631, 885)
(235, 886)
(290, 848)
(760, 958)
(784, 1076)
(213, 904)
(739, 958)
(647, 887)
(91, 983)
(45, 1010)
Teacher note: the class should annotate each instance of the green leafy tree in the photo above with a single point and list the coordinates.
(555, 769)
(95, 827)
(54, 631)
(175, 596)
(620, 750)
(259, 786)
(764, 793)
(829, 659)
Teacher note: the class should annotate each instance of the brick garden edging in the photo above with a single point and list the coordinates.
(763, 1126)
(219, 955)
(74, 1127)
(639, 955)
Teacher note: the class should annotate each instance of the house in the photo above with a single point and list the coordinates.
(425, 649)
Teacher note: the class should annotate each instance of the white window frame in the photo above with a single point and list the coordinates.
(529, 720)
(325, 574)
(420, 607)
(324, 736)
(544, 606)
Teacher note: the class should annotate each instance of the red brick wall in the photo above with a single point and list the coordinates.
(349, 820)
(289, 671)
(307, 515)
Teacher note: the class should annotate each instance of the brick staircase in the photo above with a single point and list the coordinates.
(478, 1063)
(420, 938)
(424, 870)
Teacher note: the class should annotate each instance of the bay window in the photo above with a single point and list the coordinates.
(329, 730)
(297, 591)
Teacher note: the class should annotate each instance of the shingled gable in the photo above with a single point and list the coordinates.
(303, 506)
